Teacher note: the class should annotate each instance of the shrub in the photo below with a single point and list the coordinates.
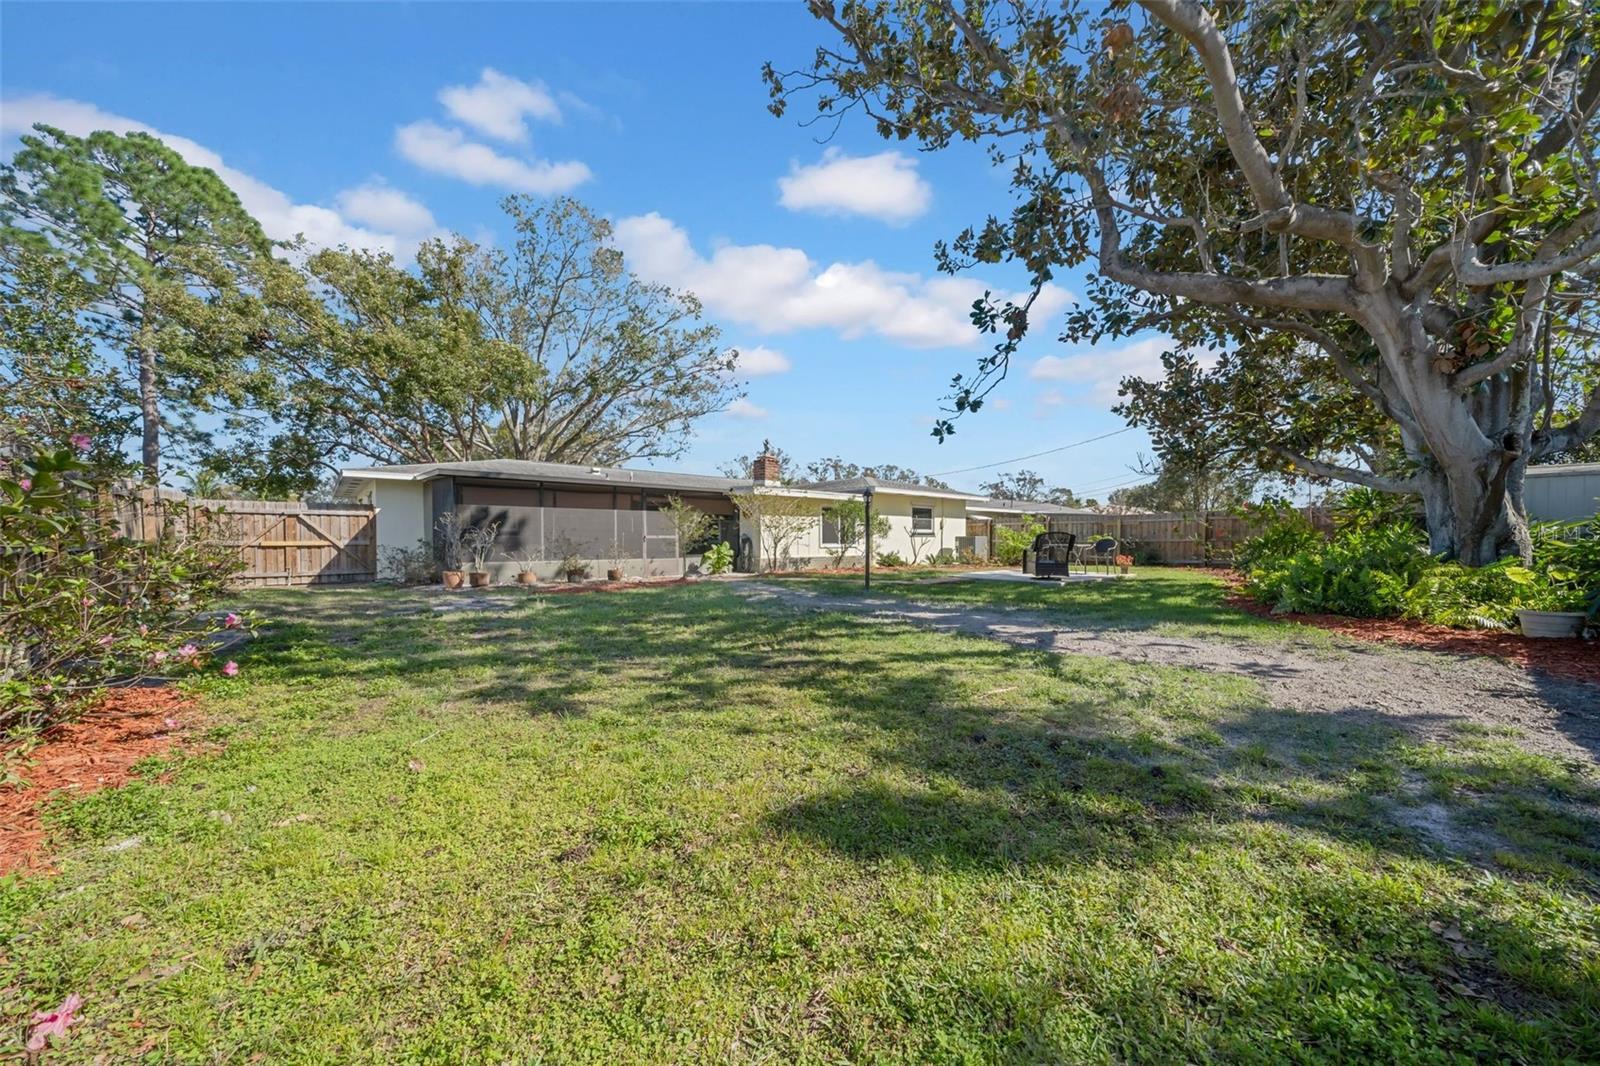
(891, 559)
(408, 566)
(1375, 565)
(86, 606)
(943, 557)
(1009, 544)
(718, 559)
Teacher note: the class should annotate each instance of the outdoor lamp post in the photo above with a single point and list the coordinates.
(866, 496)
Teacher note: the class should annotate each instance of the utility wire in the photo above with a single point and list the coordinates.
(1035, 455)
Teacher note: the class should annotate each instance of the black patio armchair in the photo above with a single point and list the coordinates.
(1050, 556)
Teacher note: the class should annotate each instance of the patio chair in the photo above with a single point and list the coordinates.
(1103, 552)
(1050, 556)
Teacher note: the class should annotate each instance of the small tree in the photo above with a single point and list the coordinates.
(851, 517)
(780, 520)
(689, 523)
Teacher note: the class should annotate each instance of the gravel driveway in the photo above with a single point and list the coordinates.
(1428, 693)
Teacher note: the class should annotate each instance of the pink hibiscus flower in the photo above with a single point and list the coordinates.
(26, 484)
(80, 441)
(232, 621)
(48, 1023)
(230, 668)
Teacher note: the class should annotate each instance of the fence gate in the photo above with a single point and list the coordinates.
(293, 544)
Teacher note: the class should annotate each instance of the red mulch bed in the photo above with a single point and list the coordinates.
(94, 751)
(1576, 659)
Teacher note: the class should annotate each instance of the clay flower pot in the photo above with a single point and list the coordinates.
(452, 578)
(614, 574)
(527, 577)
(479, 579)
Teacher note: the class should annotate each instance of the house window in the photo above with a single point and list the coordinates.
(830, 528)
(922, 521)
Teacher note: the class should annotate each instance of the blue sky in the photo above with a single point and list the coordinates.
(379, 124)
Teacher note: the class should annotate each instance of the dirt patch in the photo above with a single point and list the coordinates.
(97, 750)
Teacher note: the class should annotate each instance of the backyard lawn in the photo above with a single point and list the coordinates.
(672, 825)
(1169, 599)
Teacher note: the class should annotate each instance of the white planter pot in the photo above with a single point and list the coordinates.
(1551, 623)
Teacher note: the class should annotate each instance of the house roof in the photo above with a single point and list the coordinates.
(561, 473)
(1034, 507)
(857, 485)
(662, 480)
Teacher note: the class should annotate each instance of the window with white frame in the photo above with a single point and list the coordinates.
(830, 528)
(922, 521)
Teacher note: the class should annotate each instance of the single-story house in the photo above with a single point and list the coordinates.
(610, 516)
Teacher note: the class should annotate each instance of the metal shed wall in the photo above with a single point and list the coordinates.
(1559, 493)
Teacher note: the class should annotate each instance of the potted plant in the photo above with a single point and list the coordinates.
(449, 546)
(574, 567)
(479, 544)
(1125, 563)
(526, 575)
(615, 553)
(1553, 612)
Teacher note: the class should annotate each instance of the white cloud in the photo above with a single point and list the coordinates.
(759, 361)
(1101, 369)
(281, 217)
(377, 204)
(777, 289)
(743, 408)
(885, 186)
(499, 105)
(448, 152)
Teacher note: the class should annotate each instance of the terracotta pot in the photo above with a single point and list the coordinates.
(614, 574)
(480, 579)
(574, 576)
(527, 577)
(452, 579)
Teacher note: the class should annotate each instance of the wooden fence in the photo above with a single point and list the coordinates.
(280, 543)
(1184, 538)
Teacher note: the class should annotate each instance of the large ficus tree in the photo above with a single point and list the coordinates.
(162, 249)
(1385, 214)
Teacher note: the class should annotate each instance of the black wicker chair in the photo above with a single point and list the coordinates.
(1050, 556)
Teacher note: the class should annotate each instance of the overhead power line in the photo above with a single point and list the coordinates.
(1034, 455)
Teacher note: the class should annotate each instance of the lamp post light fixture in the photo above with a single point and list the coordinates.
(866, 496)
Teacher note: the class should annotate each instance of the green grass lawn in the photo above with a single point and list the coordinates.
(1170, 599)
(668, 826)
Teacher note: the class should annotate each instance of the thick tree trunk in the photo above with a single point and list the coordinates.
(150, 411)
(1473, 518)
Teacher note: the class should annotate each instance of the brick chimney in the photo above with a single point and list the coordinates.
(766, 470)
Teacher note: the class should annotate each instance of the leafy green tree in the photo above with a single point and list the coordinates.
(1384, 216)
(51, 387)
(164, 250)
(1029, 485)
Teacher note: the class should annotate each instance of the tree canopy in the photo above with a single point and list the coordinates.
(165, 255)
(1371, 230)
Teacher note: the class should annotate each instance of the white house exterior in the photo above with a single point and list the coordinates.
(610, 516)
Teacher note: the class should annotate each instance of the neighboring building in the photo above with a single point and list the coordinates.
(994, 508)
(610, 515)
(1562, 491)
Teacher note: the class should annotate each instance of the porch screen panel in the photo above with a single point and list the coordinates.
(515, 509)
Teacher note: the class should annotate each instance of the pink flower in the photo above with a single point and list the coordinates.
(47, 688)
(188, 651)
(88, 601)
(230, 668)
(48, 1023)
(158, 656)
(80, 441)
(26, 484)
(144, 630)
(107, 640)
(232, 621)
